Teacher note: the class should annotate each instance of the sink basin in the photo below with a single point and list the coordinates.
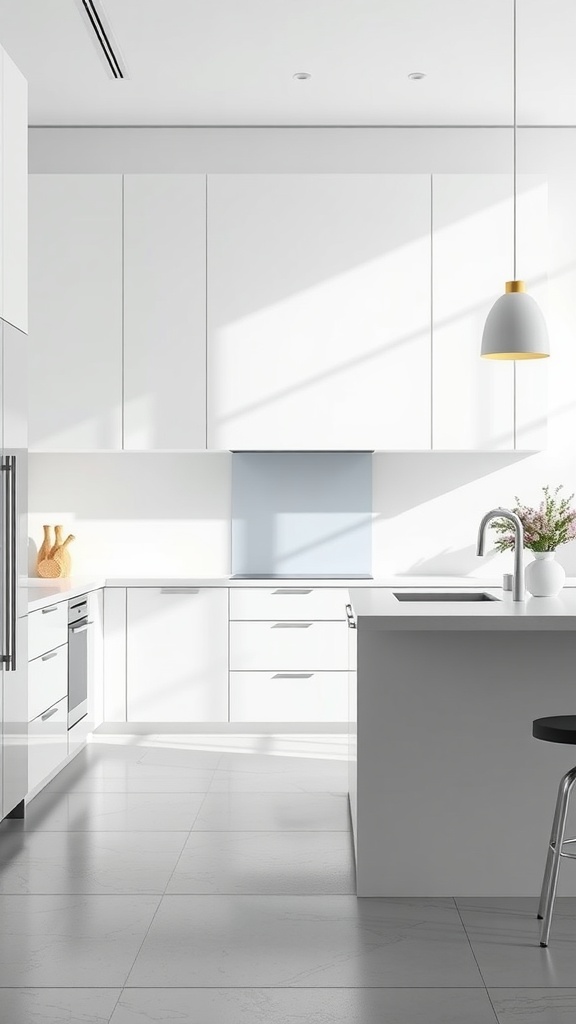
(469, 596)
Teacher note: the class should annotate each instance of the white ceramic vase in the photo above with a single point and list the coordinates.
(544, 576)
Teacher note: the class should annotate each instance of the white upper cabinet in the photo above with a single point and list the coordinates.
(75, 394)
(164, 311)
(473, 398)
(177, 654)
(14, 194)
(319, 311)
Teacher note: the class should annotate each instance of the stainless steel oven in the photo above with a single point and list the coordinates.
(78, 626)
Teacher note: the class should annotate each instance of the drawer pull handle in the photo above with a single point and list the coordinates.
(293, 675)
(350, 616)
(179, 590)
(291, 625)
(290, 591)
(80, 629)
(48, 714)
(53, 608)
(48, 657)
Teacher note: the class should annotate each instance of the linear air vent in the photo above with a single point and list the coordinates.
(102, 37)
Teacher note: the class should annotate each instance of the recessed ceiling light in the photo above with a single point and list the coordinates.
(416, 75)
(301, 76)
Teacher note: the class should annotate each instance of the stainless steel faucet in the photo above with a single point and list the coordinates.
(505, 513)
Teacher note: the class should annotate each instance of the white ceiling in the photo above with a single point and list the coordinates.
(230, 62)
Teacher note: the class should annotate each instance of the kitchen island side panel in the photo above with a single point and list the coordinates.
(454, 796)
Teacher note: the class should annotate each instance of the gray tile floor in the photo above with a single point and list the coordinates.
(157, 881)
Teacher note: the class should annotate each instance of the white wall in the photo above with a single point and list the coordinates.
(135, 514)
(427, 506)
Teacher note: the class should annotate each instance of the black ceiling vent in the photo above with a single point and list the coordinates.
(101, 34)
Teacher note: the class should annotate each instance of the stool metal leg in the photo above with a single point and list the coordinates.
(550, 854)
(550, 883)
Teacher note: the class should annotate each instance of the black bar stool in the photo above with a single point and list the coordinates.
(559, 729)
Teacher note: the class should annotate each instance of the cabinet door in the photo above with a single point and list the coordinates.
(473, 398)
(318, 311)
(164, 311)
(177, 655)
(288, 696)
(47, 681)
(96, 659)
(14, 195)
(75, 393)
(291, 646)
(47, 743)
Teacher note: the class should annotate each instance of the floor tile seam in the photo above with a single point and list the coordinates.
(249, 988)
(399, 900)
(116, 1004)
(87, 895)
(140, 947)
(183, 831)
(274, 792)
(306, 988)
(179, 858)
(278, 831)
(138, 792)
(83, 892)
(103, 831)
(251, 895)
(496, 1018)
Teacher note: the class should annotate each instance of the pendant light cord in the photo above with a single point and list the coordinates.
(514, 136)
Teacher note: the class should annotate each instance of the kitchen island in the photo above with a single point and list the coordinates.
(449, 793)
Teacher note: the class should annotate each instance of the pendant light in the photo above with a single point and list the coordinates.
(515, 327)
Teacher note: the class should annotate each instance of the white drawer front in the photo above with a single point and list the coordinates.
(288, 697)
(284, 645)
(47, 743)
(47, 681)
(47, 629)
(288, 603)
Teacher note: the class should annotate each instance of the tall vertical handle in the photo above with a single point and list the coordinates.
(14, 566)
(10, 575)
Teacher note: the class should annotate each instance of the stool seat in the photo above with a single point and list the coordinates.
(558, 729)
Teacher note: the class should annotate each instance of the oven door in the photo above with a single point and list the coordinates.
(77, 671)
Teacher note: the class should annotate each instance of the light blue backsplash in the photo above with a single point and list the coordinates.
(302, 513)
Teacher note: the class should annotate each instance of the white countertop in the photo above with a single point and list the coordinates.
(346, 583)
(376, 608)
(44, 592)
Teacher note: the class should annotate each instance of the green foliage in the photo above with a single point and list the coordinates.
(545, 528)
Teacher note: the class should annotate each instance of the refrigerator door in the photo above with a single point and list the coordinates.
(13, 569)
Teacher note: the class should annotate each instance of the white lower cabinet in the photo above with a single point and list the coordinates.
(47, 681)
(47, 629)
(307, 603)
(288, 646)
(47, 743)
(79, 733)
(177, 654)
(288, 696)
(288, 655)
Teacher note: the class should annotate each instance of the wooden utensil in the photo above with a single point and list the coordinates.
(58, 540)
(54, 559)
(46, 546)
(63, 557)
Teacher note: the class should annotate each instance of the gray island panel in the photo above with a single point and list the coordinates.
(451, 795)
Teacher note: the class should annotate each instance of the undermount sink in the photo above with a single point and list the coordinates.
(469, 596)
